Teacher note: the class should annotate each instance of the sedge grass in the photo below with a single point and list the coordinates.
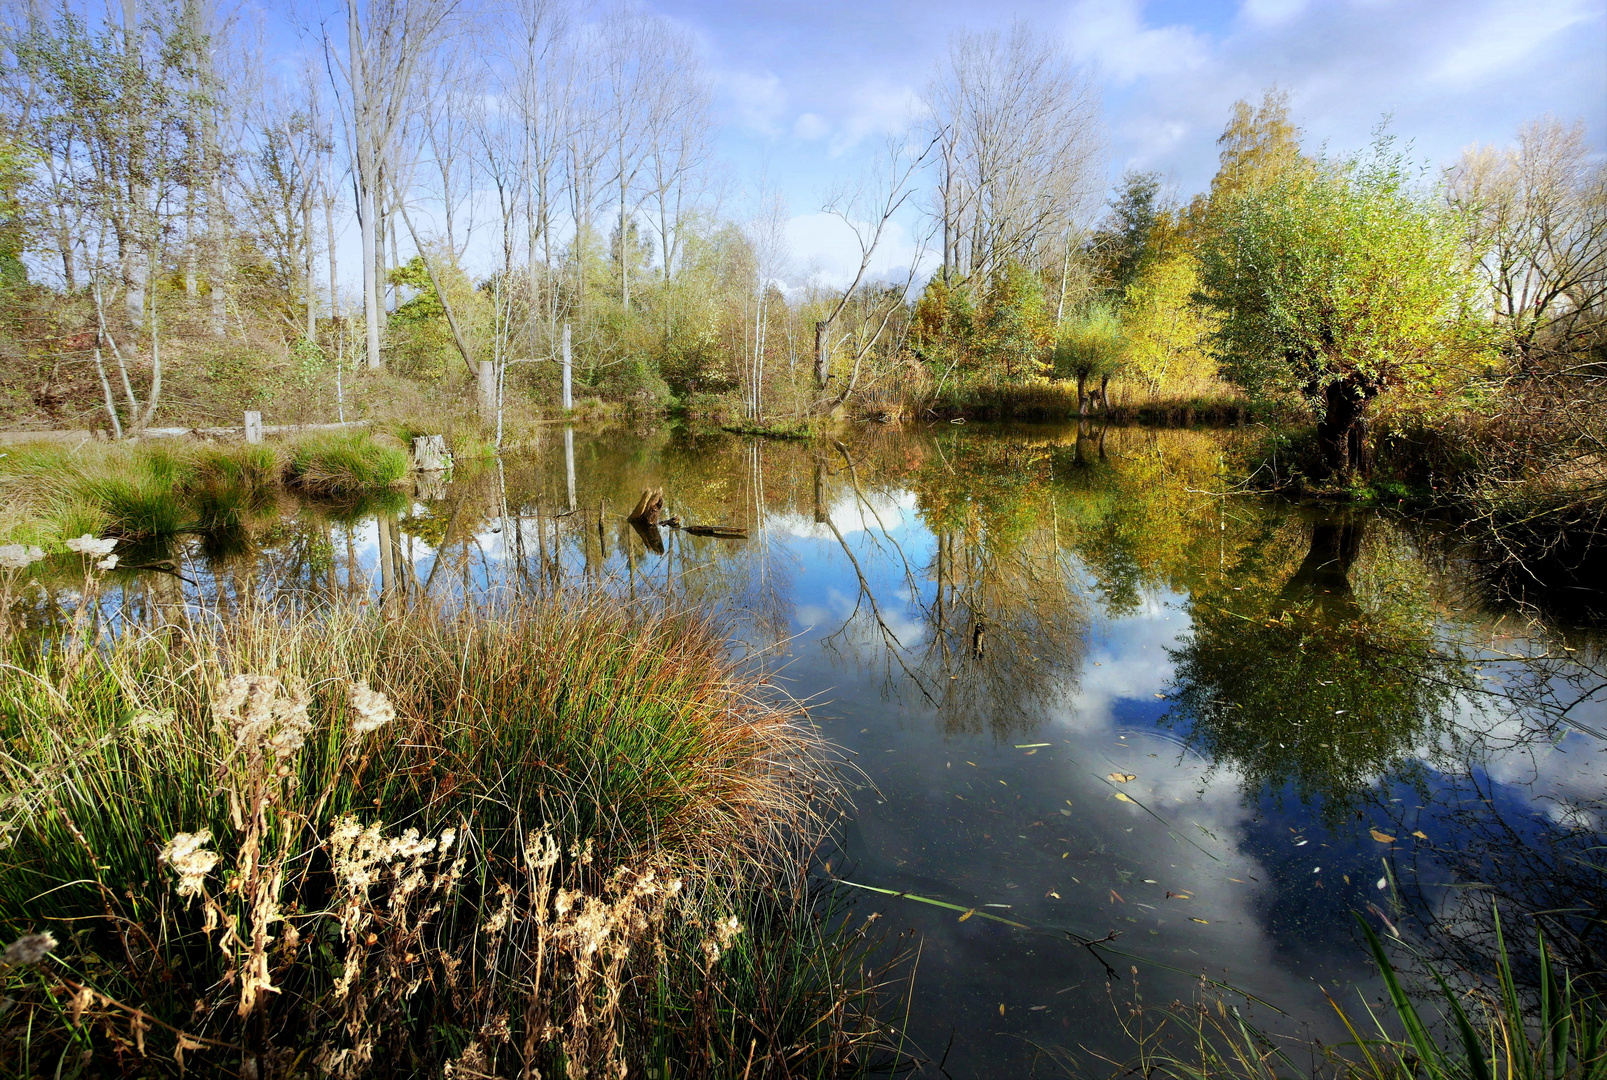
(339, 464)
(632, 742)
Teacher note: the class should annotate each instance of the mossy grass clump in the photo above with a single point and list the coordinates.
(340, 464)
(365, 832)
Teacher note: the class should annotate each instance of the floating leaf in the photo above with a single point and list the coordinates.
(1116, 897)
(1001, 1008)
(1170, 895)
(1121, 797)
(968, 914)
(1383, 883)
(1052, 893)
(1301, 843)
(1382, 837)
(1120, 777)
(1031, 745)
(1420, 834)
(1196, 918)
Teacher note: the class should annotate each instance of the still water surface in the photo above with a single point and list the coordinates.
(1082, 690)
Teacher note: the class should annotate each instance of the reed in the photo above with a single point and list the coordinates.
(1488, 1026)
(565, 836)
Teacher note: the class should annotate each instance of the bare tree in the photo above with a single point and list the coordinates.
(869, 211)
(1538, 213)
(1019, 149)
(386, 44)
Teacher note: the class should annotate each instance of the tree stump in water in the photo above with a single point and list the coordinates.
(430, 454)
(648, 508)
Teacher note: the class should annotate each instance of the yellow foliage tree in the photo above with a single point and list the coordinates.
(1165, 329)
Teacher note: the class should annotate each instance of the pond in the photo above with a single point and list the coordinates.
(1081, 694)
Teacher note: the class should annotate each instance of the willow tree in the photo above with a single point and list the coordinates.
(1337, 283)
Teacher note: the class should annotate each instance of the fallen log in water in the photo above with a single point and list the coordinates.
(724, 532)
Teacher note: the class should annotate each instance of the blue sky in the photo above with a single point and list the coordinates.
(807, 91)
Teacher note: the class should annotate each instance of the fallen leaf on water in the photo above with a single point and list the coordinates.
(1420, 834)
(1301, 843)
(1383, 883)
(1052, 893)
(1031, 752)
(968, 914)
(1382, 837)
(1031, 745)
(1236, 881)
(1066, 812)
(1160, 695)
(1122, 797)
(1116, 897)
(1170, 895)
(1193, 918)
(1150, 881)
(1038, 1008)
(1001, 1008)
(1120, 777)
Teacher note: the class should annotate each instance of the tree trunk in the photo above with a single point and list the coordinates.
(1342, 431)
(1082, 395)
(822, 333)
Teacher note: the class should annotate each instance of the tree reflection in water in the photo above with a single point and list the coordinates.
(1302, 686)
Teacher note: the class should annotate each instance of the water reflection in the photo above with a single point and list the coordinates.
(1079, 684)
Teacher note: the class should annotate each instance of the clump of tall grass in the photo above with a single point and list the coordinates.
(340, 464)
(560, 840)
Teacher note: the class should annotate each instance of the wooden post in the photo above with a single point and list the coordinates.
(569, 401)
(569, 463)
(253, 428)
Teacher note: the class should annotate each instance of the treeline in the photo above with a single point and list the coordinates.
(172, 203)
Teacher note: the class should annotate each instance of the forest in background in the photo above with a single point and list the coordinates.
(173, 200)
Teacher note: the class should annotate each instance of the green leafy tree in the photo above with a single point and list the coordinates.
(1337, 284)
(1090, 346)
(1126, 242)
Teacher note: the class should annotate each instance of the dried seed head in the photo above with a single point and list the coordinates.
(29, 949)
(89, 545)
(370, 709)
(187, 855)
(263, 714)
(108, 563)
(19, 556)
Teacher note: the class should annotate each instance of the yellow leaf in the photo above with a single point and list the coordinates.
(1382, 837)
(1205, 921)
(968, 914)
(1420, 834)
(1001, 1008)
(1121, 796)
(1120, 777)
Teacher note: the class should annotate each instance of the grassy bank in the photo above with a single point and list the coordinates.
(52, 492)
(565, 838)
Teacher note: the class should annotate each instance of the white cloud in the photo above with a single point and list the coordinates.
(825, 247)
(1112, 36)
(756, 101)
(810, 126)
